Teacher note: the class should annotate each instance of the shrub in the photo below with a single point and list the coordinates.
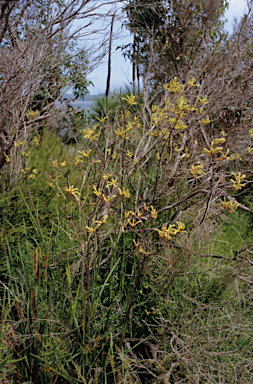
(117, 283)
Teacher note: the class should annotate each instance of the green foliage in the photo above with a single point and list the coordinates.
(175, 43)
(99, 109)
(16, 206)
(116, 105)
(99, 282)
(235, 234)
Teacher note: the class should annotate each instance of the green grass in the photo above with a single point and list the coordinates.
(62, 322)
(234, 235)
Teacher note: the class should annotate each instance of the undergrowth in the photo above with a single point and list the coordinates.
(114, 269)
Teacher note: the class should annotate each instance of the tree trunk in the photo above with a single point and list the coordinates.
(134, 62)
(138, 67)
(109, 64)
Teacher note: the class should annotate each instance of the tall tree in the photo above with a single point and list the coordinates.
(187, 38)
(171, 33)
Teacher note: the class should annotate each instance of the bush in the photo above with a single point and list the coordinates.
(111, 278)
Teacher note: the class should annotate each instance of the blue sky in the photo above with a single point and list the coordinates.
(121, 69)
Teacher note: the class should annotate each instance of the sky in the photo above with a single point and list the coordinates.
(121, 69)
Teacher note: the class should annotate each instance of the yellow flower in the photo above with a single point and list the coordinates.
(31, 114)
(35, 171)
(136, 244)
(191, 83)
(129, 154)
(54, 163)
(90, 133)
(145, 207)
(203, 101)
(223, 156)
(7, 158)
(212, 150)
(237, 183)
(106, 177)
(113, 182)
(166, 87)
(85, 154)
(127, 214)
(123, 226)
(133, 223)
(18, 143)
(172, 120)
(63, 164)
(197, 170)
(141, 250)
(182, 103)
(153, 212)
(72, 191)
(91, 230)
(250, 132)
(32, 177)
(218, 141)
(180, 227)
(127, 114)
(192, 108)
(123, 132)
(180, 125)
(231, 205)
(124, 192)
(127, 194)
(130, 99)
(102, 120)
(205, 121)
(164, 233)
(51, 185)
(235, 156)
(175, 86)
(97, 192)
(106, 199)
(103, 221)
(78, 160)
(138, 213)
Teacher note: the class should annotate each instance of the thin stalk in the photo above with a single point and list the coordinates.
(124, 262)
(137, 279)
